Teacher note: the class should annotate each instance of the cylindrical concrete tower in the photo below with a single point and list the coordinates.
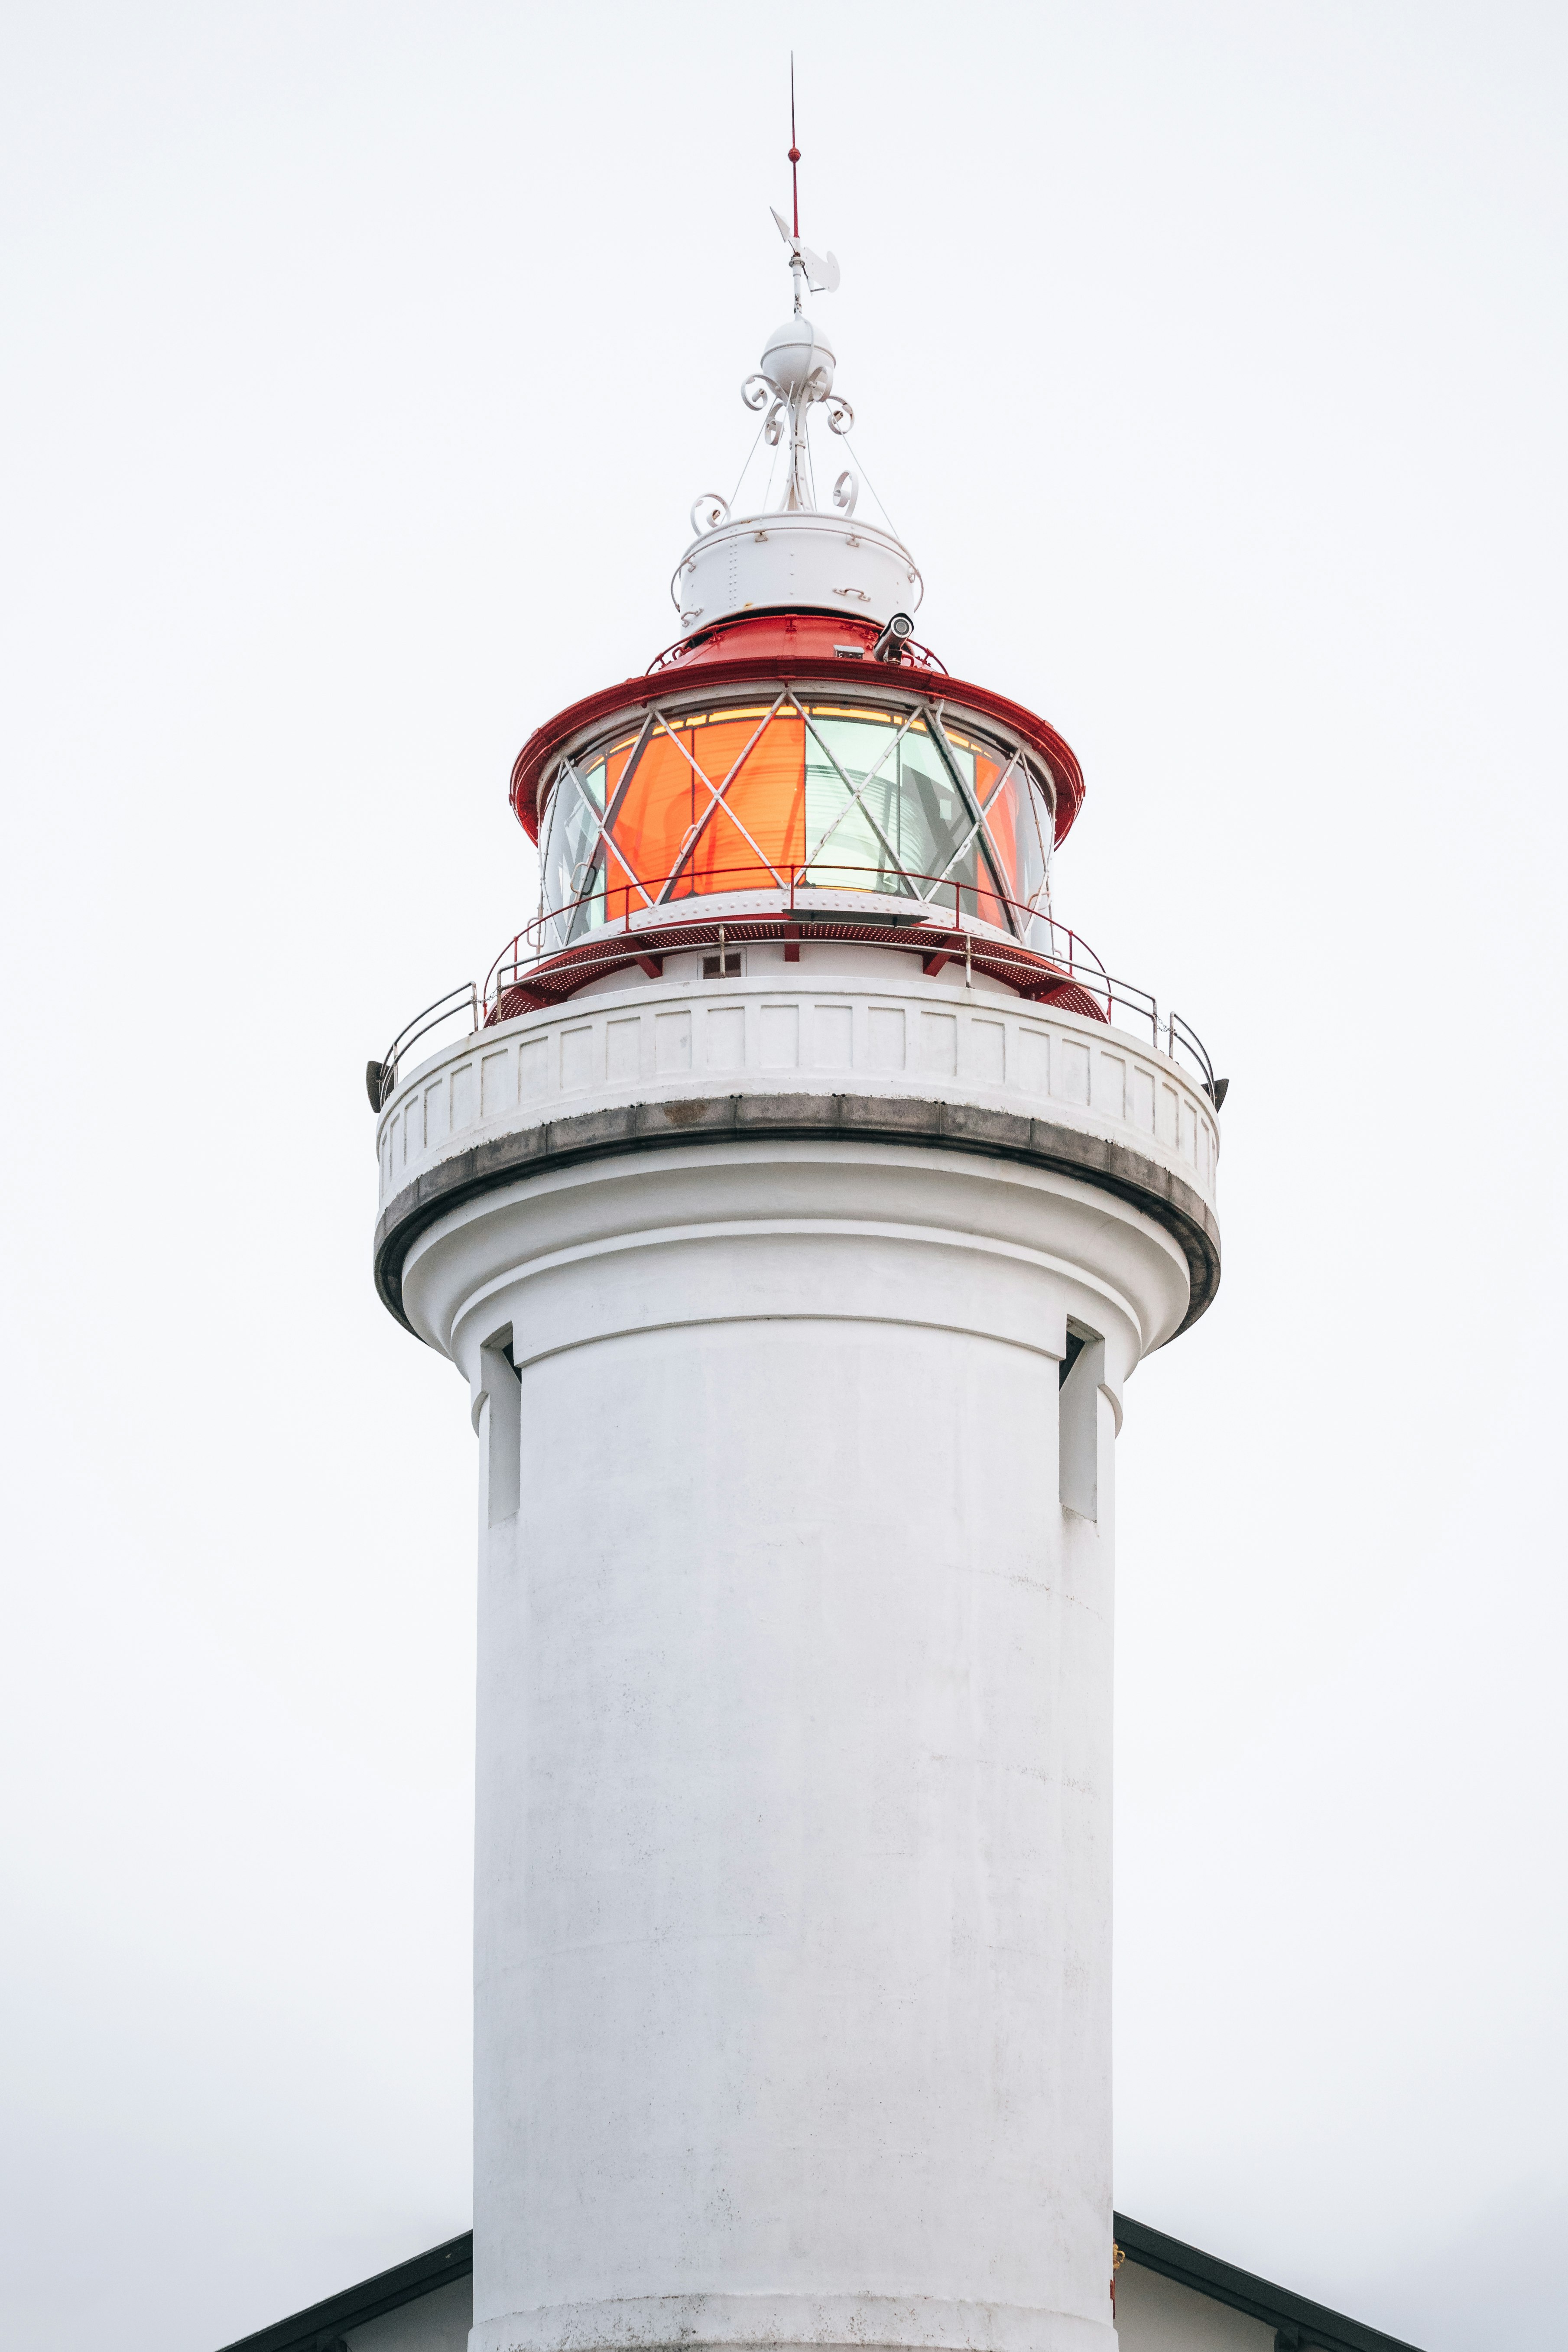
(796, 1207)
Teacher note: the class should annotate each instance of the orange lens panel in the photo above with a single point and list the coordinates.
(766, 801)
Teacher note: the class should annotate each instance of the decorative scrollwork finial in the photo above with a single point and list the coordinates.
(840, 415)
(846, 491)
(708, 511)
(757, 392)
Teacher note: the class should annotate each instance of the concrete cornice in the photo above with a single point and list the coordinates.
(680, 1122)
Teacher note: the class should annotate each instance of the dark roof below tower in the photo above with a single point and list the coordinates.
(1299, 2324)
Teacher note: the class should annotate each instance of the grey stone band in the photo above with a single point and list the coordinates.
(802, 1119)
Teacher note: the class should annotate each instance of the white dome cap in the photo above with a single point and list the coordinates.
(797, 356)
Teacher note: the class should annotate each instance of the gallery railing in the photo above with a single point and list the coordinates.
(1038, 957)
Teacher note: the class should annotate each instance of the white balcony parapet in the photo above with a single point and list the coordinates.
(679, 1058)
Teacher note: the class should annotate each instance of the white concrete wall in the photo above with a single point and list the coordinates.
(1156, 2314)
(859, 1028)
(793, 1901)
(793, 1909)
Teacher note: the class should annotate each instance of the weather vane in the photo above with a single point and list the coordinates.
(796, 375)
(821, 273)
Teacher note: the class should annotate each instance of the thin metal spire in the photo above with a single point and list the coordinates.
(794, 152)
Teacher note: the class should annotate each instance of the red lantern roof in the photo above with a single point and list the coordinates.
(780, 648)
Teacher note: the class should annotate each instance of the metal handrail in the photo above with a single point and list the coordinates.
(911, 654)
(380, 1077)
(610, 944)
(1170, 1034)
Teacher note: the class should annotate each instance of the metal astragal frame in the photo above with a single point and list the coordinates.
(567, 792)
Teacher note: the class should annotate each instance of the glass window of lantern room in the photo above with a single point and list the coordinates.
(933, 815)
(621, 895)
(591, 776)
(997, 788)
(588, 913)
(740, 798)
(852, 803)
(756, 832)
(1018, 821)
(949, 776)
(681, 837)
(651, 820)
(570, 860)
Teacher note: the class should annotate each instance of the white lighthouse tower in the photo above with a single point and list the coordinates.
(796, 1200)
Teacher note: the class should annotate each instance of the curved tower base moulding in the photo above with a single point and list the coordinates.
(792, 1977)
(715, 2323)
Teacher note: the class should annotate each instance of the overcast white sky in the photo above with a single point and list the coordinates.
(363, 363)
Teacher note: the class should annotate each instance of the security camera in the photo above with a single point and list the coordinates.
(890, 645)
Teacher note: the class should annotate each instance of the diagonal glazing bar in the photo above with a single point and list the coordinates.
(614, 806)
(867, 780)
(563, 810)
(1037, 801)
(995, 859)
(979, 831)
(717, 799)
(955, 777)
(569, 768)
(826, 751)
(971, 803)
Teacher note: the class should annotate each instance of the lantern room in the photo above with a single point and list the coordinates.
(810, 790)
(789, 772)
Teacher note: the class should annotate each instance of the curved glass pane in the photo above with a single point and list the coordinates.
(851, 803)
(574, 844)
(844, 797)
(935, 815)
(1017, 826)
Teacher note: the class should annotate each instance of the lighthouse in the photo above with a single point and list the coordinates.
(796, 1197)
